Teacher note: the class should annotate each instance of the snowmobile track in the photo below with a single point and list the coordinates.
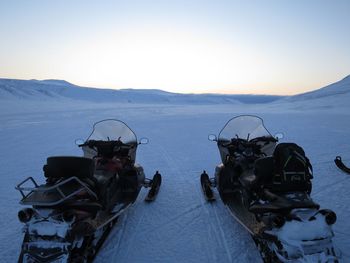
(171, 161)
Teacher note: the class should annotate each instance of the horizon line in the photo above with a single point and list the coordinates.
(167, 91)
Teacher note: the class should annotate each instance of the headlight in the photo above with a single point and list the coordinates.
(329, 216)
(25, 215)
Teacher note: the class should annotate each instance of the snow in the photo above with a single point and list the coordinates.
(180, 226)
(49, 228)
(341, 87)
(53, 90)
(305, 230)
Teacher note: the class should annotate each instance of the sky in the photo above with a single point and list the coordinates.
(246, 47)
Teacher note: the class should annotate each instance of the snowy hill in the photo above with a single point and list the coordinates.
(334, 97)
(341, 88)
(12, 89)
(337, 93)
(33, 94)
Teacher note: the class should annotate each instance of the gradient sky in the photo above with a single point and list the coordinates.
(262, 47)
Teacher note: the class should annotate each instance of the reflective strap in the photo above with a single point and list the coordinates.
(289, 176)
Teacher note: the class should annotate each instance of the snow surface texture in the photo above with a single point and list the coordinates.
(179, 226)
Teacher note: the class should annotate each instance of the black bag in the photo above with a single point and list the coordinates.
(293, 171)
(68, 166)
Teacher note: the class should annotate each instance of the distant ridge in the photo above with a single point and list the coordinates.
(331, 98)
(52, 89)
(341, 87)
(55, 82)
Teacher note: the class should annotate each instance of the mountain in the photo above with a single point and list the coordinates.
(339, 88)
(334, 97)
(38, 90)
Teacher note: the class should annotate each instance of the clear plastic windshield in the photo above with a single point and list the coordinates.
(112, 130)
(245, 127)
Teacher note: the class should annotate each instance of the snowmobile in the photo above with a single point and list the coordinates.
(70, 216)
(266, 187)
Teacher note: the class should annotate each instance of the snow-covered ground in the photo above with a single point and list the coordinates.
(179, 226)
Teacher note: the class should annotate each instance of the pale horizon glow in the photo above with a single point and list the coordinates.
(229, 47)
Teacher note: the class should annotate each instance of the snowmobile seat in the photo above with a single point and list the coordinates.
(264, 168)
(281, 203)
(104, 181)
(129, 179)
(248, 179)
(281, 206)
(226, 176)
(103, 177)
(68, 166)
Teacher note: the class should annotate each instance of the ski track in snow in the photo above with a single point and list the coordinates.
(180, 226)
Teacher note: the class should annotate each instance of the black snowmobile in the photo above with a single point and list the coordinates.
(266, 188)
(72, 213)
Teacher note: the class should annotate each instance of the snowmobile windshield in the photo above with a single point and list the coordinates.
(245, 127)
(112, 130)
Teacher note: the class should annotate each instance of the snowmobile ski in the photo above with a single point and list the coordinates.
(339, 163)
(155, 186)
(206, 187)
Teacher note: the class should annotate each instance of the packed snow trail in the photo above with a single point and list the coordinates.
(180, 226)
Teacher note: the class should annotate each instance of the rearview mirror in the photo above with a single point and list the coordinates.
(143, 141)
(212, 137)
(79, 142)
(279, 136)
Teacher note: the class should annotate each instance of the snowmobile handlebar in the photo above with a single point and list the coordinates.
(246, 143)
(245, 147)
(264, 139)
(100, 143)
(108, 149)
(234, 142)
